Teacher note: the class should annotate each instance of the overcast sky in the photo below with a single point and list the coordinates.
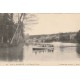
(55, 23)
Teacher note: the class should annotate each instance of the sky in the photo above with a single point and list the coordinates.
(55, 23)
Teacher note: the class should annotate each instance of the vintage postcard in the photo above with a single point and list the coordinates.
(39, 39)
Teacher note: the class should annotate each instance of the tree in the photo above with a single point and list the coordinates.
(9, 29)
(77, 37)
(6, 27)
(23, 19)
(64, 37)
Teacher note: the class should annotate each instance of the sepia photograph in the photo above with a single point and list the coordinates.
(40, 39)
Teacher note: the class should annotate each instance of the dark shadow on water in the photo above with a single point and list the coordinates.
(14, 53)
(78, 50)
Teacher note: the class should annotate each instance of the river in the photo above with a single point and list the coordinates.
(61, 52)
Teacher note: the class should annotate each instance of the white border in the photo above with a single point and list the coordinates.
(40, 6)
(40, 73)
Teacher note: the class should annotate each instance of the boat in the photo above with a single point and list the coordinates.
(43, 46)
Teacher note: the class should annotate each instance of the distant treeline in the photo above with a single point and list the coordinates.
(62, 37)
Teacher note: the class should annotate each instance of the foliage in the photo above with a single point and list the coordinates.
(6, 27)
(64, 37)
(9, 30)
(77, 37)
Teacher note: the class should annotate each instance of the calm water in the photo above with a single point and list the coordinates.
(62, 51)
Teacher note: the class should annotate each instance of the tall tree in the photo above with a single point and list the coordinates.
(23, 19)
(9, 29)
(6, 27)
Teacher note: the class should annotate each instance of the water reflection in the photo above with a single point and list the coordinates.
(78, 50)
(11, 53)
(60, 51)
(42, 50)
(62, 48)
